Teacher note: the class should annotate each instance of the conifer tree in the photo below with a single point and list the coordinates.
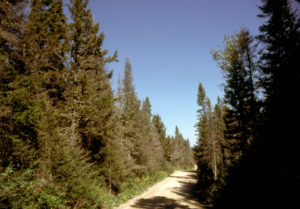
(211, 150)
(144, 146)
(176, 155)
(130, 118)
(181, 156)
(42, 58)
(200, 126)
(280, 36)
(38, 91)
(45, 47)
(12, 17)
(224, 145)
(164, 140)
(92, 107)
(273, 155)
(45, 56)
(149, 147)
(237, 61)
(13, 125)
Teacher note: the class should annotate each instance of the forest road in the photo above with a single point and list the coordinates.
(174, 192)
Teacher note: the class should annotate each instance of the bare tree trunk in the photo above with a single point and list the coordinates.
(215, 161)
(109, 177)
(213, 138)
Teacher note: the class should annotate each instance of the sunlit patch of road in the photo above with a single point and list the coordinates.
(177, 191)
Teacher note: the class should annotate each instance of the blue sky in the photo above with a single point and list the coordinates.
(169, 43)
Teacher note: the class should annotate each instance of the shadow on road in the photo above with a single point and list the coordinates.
(159, 203)
(188, 190)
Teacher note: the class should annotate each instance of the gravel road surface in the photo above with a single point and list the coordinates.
(174, 192)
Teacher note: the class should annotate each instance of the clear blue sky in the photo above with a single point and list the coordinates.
(169, 43)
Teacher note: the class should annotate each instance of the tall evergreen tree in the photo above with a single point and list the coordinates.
(45, 54)
(164, 140)
(14, 125)
(237, 61)
(224, 145)
(140, 138)
(271, 163)
(45, 47)
(92, 108)
(201, 129)
(181, 156)
(280, 36)
(211, 149)
(129, 117)
(12, 17)
(37, 96)
(149, 147)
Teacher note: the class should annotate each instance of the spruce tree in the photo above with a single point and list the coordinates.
(12, 17)
(273, 157)
(45, 48)
(145, 156)
(280, 36)
(130, 119)
(14, 125)
(164, 140)
(211, 150)
(181, 156)
(92, 109)
(237, 61)
(149, 148)
(201, 131)
(45, 55)
(224, 145)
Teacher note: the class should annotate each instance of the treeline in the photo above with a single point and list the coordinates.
(248, 145)
(66, 141)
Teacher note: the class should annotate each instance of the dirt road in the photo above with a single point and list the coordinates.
(176, 191)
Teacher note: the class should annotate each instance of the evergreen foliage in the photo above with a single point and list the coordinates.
(211, 152)
(237, 61)
(165, 141)
(65, 140)
(260, 136)
(144, 134)
(181, 156)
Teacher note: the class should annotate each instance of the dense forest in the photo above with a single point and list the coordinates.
(248, 144)
(67, 140)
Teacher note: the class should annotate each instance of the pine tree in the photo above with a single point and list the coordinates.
(273, 157)
(149, 148)
(45, 48)
(164, 140)
(280, 36)
(201, 129)
(36, 98)
(45, 55)
(92, 107)
(211, 150)
(181, 156)
(237, 61)
(12, 22)
(224, 145)
(130, 119)
(143, 145)
(15, 114)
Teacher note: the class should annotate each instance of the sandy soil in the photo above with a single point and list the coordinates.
(176, 191)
